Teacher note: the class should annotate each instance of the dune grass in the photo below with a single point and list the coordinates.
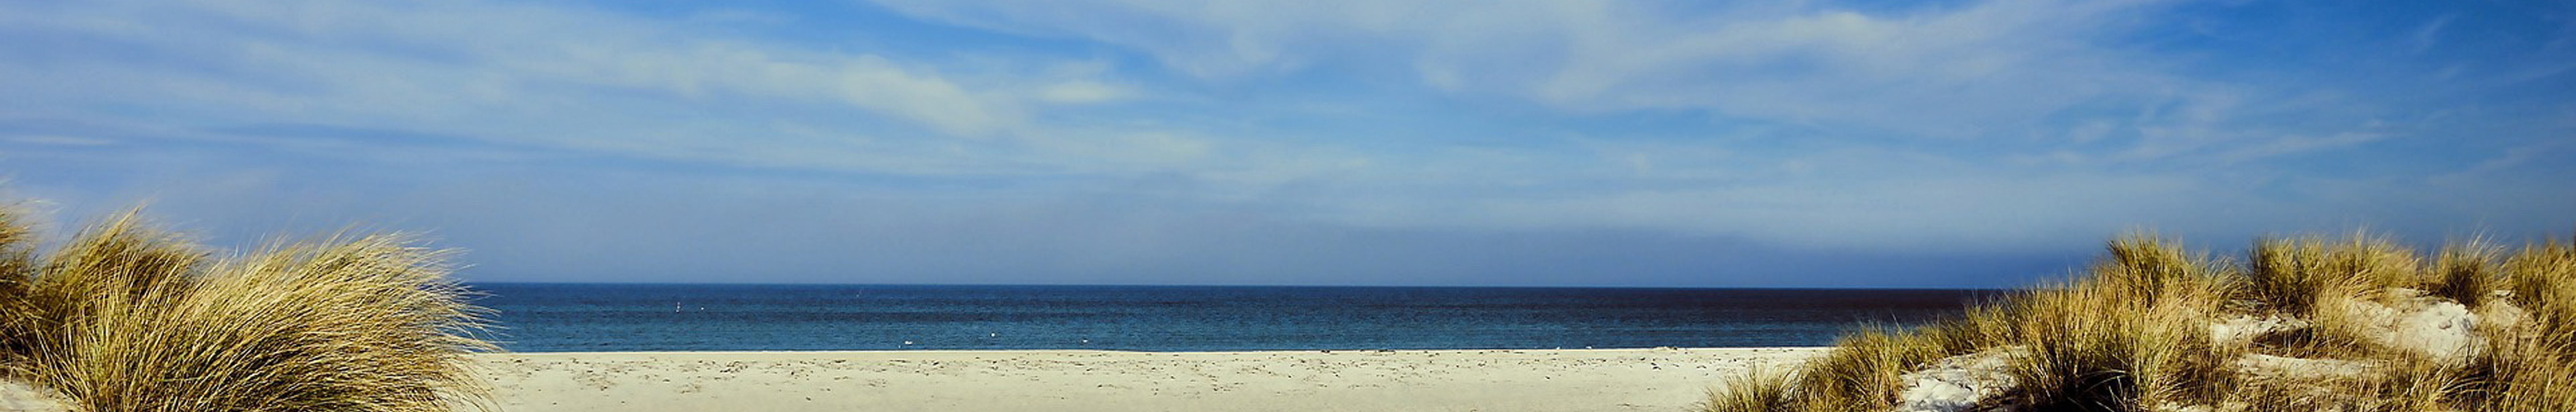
(124, 317)
(1759, 389)
(2135, 332)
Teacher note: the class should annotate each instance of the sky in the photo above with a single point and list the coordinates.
(1946, 143)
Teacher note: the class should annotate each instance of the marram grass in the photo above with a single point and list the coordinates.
(126, 318)
(2134, 333)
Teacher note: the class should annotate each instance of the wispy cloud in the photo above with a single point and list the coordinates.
(496, 71)
(1102, 136)
(1981, 69)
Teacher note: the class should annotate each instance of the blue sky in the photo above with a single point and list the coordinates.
(1770, 144)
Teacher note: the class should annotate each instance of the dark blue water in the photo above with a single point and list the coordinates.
(629, 317)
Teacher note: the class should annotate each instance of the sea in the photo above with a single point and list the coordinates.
(534, 317)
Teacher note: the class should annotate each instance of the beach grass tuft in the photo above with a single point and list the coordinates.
(1759, 390)
(128, 318)
(2145, 329)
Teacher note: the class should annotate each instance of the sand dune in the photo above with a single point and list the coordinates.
(1060, 381)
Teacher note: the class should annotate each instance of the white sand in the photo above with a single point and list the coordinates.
(18, 396)
(1665, 380)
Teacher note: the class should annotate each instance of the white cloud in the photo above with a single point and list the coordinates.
(2298, 144)
(1881, 104)
(526, 73)
(1986, 71)
(1971, 70)
(1082, 92)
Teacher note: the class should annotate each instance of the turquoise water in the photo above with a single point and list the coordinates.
(666, 317)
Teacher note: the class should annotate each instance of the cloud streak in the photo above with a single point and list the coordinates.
(1117, 141)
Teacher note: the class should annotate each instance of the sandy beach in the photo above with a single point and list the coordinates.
(1076, 381)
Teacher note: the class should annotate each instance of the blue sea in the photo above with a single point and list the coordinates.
(671, 317)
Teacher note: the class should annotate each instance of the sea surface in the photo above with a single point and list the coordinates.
(674, 317)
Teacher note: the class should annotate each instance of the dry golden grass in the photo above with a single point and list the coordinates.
(1758, 389)
(2467, 273)
(2294, 276)
(2127, 338)
(125, 318)
(2532, 366)
(2542, 280)
(1862, 372)
(18, 316)
(2134, 333)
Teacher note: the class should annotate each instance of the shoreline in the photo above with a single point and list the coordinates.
(1078, 380)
